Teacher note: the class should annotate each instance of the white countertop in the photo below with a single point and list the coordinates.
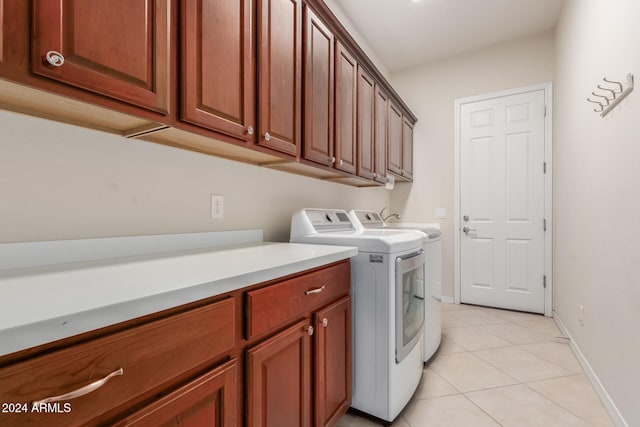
(44, 303)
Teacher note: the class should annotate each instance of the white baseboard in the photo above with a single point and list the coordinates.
(611, 408)
(448, 300)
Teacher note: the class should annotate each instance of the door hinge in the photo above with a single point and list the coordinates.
(544, 281)
(545, 111)
(544, 167)
(544, 225)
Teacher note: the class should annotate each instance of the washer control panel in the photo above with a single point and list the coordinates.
(369, 219)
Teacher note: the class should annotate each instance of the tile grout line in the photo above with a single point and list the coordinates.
(557, 404)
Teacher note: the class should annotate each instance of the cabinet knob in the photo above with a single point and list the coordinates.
(250, 130)
(310, 330)
(267, 136)
(325, 322)
(332, 160)
(54, 58)
(341, 162)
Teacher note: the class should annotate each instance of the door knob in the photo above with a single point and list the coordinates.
(465, 218)
(467, 229)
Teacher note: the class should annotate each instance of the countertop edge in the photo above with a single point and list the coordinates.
(38, 333)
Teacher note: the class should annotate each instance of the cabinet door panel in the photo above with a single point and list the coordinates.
(365, 124)
(318, 118)
(407, 149)
(394, 147)
(218, 66)
(381, 135)
(120, 50)
(279, 44)
(346, 102)
(279, 379)
(333, 362)
(207, 401)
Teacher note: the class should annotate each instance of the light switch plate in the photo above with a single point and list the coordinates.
(441, 213)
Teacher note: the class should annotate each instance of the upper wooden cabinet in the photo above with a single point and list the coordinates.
(120, 51)
(365, 145)
(280, 74)
(394, 144)
(318, 90)
(407, 148)
(235, 79)
(346, 70)
(217, 77)
(400, 143)
(381, 134)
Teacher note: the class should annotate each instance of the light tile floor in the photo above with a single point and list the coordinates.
(499, 368)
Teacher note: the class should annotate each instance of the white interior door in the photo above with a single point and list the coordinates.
(502, 202)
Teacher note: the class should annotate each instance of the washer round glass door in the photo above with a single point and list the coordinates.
(410, 283)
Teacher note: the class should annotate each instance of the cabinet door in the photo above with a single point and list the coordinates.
(280, 71)
(346, 104)
(333, 362)
(394, 147)
(279, 379)
(117, 49)
(381, 135)
(208, 401)
(318, 95)
(217, 79)
(365, 124)
(407, 148)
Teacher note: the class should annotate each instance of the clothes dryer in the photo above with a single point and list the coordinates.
(432, 244)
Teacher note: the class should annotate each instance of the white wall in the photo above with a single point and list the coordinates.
(597, 202)
(430, 91)
(357, 36)
(59, 181)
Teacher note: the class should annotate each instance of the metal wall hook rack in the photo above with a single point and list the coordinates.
(614, 95)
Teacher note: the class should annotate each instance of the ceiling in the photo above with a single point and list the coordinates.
(406, 33)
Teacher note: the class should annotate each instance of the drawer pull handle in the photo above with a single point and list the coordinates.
(82, 390)
(315, 291)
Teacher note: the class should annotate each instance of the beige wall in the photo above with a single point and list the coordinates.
(430, 92)
(597, 174)
(62, 182)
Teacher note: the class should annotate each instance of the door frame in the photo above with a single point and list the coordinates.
(548, 186)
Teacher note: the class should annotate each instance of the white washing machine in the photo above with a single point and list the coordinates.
(387, 293)
(433, 286)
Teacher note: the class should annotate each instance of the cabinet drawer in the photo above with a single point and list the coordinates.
(275, 304)
(151, 357)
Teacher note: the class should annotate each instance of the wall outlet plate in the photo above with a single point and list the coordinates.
(217, 206)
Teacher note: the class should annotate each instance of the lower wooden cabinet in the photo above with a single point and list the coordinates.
(192, 366)
(279, 379)
(332, 362)
(208, 400)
